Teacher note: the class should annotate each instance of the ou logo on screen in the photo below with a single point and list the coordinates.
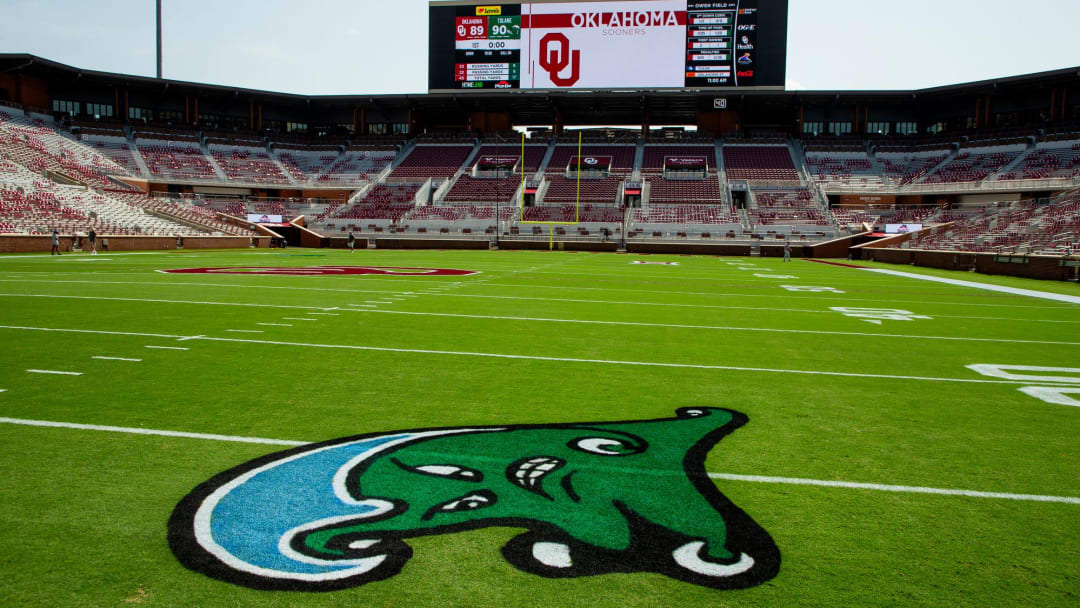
(591, 161)
(555, 60)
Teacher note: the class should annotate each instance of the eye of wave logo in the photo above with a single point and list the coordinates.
(593, 499)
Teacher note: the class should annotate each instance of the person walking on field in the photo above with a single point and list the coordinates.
(55, 243)
(352, 242)
(787, 250)
(92, 237)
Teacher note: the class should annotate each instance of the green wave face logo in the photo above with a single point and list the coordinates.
(594, 498)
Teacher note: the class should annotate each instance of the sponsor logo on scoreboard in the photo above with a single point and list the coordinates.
(484, 11)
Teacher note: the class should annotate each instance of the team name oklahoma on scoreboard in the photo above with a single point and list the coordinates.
(609, 44)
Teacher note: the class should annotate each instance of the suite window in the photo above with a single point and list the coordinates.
(99, 110)
(71, 107)
(813, 128)
(840, 128)
(907, 128)
(878, 128)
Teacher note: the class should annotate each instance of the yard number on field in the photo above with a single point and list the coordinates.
(811, 289)
(1060, 376)
(877, 315)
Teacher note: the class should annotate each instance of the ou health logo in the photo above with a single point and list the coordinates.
(555, 60)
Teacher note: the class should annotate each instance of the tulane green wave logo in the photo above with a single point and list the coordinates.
(593, 498)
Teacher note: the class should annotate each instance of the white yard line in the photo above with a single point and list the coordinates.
(720, 327)
(298, 319)
(116, 359)
(723, 476)
(167, 347)
(531, 357)
(140, 431)
(895, 488)
(53, 372)
(761, 295)
(163, 283)
(157, 301)
(245, 331)
(275, 324)
(523, 298)
(326, 314)
(1031, 293)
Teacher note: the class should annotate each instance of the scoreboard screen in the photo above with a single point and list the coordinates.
(607, 44)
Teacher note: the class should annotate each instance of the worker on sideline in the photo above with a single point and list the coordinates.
(787, 250)
(352, 242)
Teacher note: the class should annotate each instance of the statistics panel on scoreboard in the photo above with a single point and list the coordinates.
(608, 44)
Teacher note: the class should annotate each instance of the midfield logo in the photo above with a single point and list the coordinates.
(593, 498)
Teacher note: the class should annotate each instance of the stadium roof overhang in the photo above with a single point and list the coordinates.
(571, 107)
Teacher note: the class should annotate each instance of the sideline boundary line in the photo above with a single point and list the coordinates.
(1015, 291)
(724, 476)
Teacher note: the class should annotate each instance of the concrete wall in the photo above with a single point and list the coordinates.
(690, 248)
(1027, 266)
(43, 244)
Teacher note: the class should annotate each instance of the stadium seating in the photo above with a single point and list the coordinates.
(41, 206)
(973, 165)
(178, 160)
(902, 167)
(357, 166)
(759, 164)
(570, 213)
(566, 190)
(1023, 227)
(441, 219)
(843, 169)
(704, 191)
(1047, 161)
(431, 161)
(38, 143)
(248, 165)
(470, 189)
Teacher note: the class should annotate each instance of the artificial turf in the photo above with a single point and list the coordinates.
(84, 513)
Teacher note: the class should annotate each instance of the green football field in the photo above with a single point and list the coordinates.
(884, 469)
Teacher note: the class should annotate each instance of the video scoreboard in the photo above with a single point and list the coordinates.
(608, 44)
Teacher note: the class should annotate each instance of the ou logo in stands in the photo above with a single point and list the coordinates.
(591, 161)
(555, 60)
